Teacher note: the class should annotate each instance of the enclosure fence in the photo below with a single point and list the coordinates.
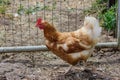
(17, 25)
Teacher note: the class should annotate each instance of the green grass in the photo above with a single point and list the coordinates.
(109, 18)
(2, 9)
(3, 6)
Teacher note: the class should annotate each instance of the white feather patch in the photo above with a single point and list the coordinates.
(64, 46)
(83, 53)
(85, 46)
(76, 55)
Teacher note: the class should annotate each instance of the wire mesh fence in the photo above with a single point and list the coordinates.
(18, 18)
(18, 21)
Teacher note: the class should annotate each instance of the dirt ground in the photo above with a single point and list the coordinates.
(103, 65)
(17, 31)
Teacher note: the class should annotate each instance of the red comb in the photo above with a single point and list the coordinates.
(38, 21)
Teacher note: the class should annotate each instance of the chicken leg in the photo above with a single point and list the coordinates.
(70, 67)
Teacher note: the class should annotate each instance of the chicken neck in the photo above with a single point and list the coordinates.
(50, 33)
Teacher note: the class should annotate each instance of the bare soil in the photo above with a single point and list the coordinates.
(103, 65)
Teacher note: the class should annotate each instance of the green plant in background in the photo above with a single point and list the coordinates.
(54, 4)
(109, 18)
(3, 6)
(97, 7)
(21, 9)
(101, 1)
(37, 7)
(4, 2)
(29, 10)
(2, 9)
(102, 6)
(45, 8)
(32, 9)
(106, 15)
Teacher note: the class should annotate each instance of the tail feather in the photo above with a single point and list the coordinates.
(92, 21)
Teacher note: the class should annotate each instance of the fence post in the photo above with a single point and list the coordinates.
(118, 24)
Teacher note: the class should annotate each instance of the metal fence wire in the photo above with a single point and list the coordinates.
(18, 18)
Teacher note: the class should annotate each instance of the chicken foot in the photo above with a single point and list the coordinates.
(87, 67)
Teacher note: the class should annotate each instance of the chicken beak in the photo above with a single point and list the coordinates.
(43, 21)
